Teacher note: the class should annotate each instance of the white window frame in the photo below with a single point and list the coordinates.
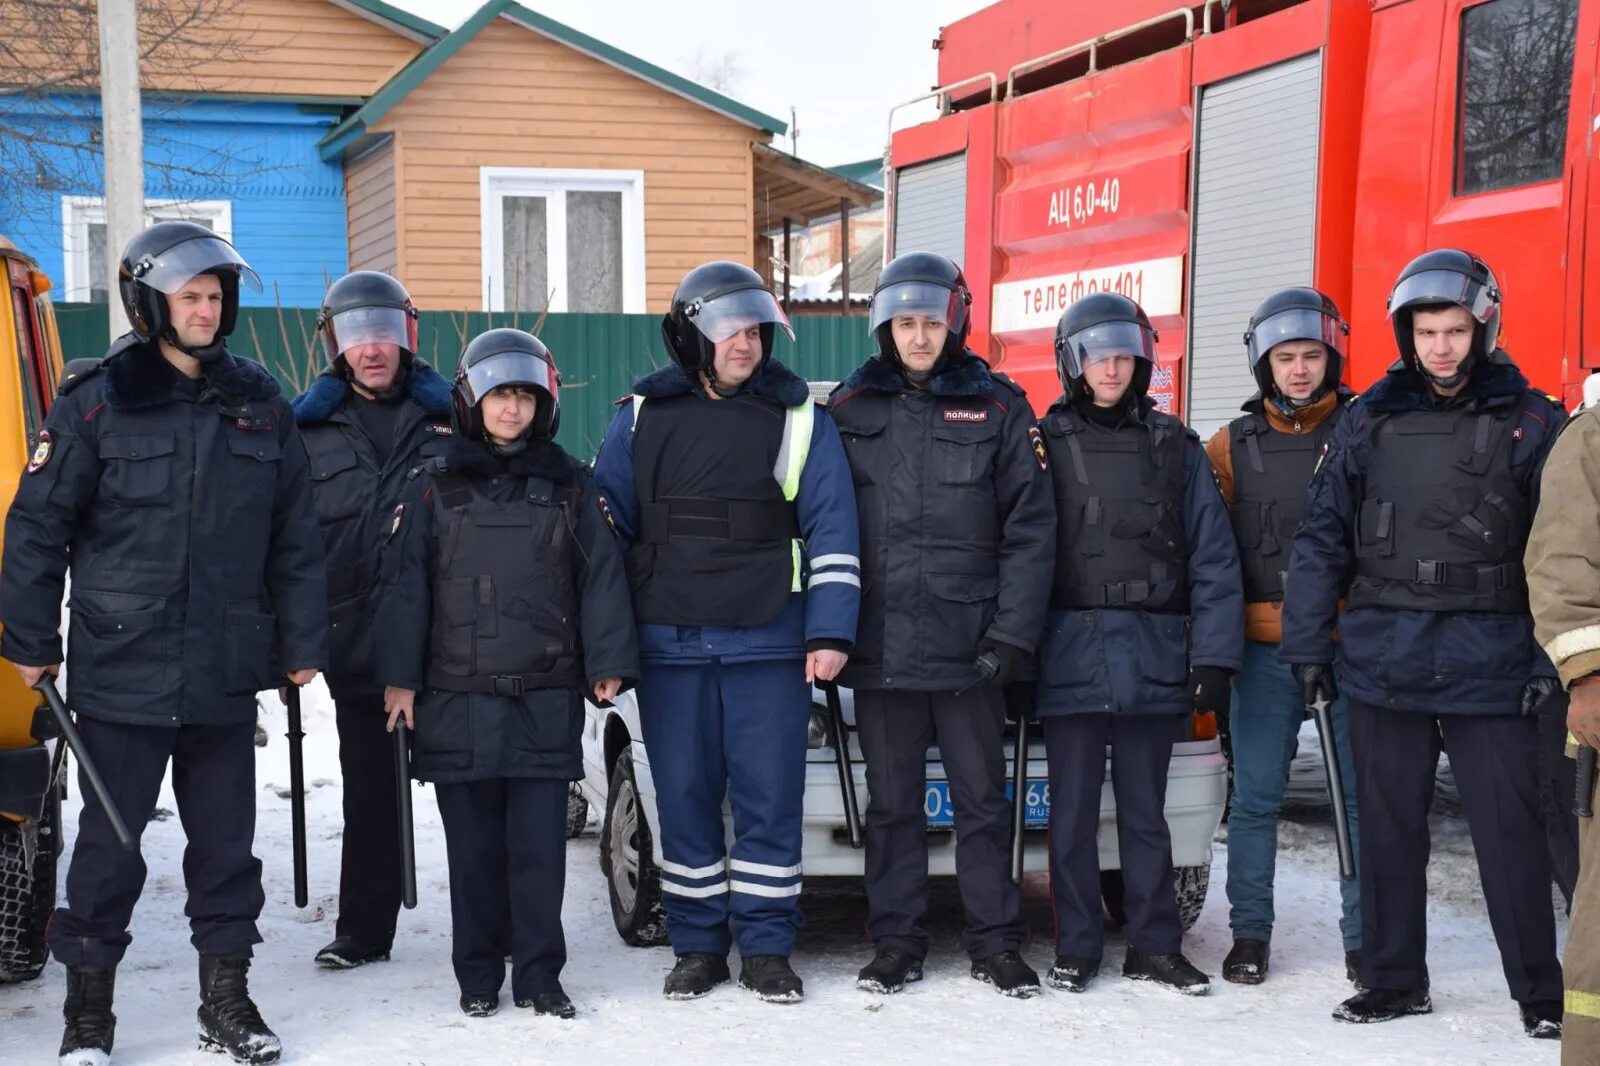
(553, 184)
(77, 212)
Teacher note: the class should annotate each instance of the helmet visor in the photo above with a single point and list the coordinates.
(174, 268)
(1294, 324)
(370, 325)
(506, 368)
(1444, 287)
(723, 316)
(1107, 340)
(922, 298)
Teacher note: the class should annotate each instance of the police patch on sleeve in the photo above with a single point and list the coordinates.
(42, 452)
(1039, 454)
(605, 512)
(394, 527)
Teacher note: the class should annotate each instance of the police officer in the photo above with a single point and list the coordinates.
(1295, 347)
(171, 479)
(731, 493)
(504, 603)
(1426, 493)
(957, 534)
(1145, 627)
(375, 413)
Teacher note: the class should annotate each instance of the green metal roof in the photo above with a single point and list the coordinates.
(437, 54)
(405, 19)
(867, 171)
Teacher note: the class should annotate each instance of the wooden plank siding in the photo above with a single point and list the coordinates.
(370, 203)
(301, 48)
(515, 98)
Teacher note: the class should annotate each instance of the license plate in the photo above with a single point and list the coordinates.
(941, 812)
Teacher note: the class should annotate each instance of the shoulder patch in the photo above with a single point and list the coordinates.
(394, 526)
(605, 510)
(1036, 439)
(41, 452)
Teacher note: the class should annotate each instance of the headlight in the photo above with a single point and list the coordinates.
(817, 731)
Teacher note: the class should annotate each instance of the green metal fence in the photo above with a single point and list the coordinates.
(599, 355)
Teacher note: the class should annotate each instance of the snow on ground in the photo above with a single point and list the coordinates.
(404, 1012)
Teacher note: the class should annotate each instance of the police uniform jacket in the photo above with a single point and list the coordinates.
(184, 511)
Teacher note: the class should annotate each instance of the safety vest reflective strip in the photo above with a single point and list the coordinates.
(793, 451)
(1582, 1004)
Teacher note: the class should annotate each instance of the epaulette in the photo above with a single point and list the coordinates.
(435, 465)
(623, 400)
(77, 372)
(1006, 381)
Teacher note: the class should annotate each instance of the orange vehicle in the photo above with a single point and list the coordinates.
(31, 781)
(1196, 158)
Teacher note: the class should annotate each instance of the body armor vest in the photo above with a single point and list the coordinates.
(1442, 521)
(1119, 501)
(1271, 471)
(718, 532)
(504, 603)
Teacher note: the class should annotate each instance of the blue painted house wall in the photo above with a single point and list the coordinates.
(288, 205)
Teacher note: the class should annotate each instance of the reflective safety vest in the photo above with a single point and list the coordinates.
(719, 536)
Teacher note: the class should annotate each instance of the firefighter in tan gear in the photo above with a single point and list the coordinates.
(1563, 564)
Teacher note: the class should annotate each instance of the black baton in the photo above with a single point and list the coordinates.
(1322, 711)
(841, 758)
(1583, 804)
(46, 687)
(297, 793)
(408, 841)
(1019, 802)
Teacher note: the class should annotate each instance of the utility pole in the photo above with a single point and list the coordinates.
(122, 127)
(794, 132)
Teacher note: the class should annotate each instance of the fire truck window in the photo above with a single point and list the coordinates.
(32, 401)
(1516, 84)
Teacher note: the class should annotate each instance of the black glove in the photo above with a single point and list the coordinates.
(1316, 682)
(1209, 690)
(1000, 662)
(1535, 692)
(1020, 699)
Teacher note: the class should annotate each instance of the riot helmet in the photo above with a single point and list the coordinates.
(161, 260)
(1440, 278)
(1099, 326)
(1296, 314)
(924, 284)
(366, 307)
(506, 357)
(713, 302)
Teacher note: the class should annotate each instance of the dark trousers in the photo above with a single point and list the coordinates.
(1558, 781)
(1141, 752)
(1495, 760)
(896, 729)
(369, 864)
(213, 779)
(506, 840)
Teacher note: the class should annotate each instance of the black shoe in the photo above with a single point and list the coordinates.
(90, 1025)
(694, 975)
(1352, 969)
(890, 970)
(771, 979)
(1010, 975)
(556, 1004)
(229, 1021)
(1384, 1005)
(1171, 971)
(1542, 1020)
(1246, 964)
(344, 953)
(480, 1004)
(1072, 973)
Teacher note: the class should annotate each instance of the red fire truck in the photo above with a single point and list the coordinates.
(1197, 158)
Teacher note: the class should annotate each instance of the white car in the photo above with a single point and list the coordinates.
(617, 784)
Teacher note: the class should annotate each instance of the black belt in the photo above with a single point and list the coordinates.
(1116, 594)
(497, 685)
(1481, 577)
(751, 520)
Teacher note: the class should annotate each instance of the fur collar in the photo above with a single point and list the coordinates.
(423, 384)
(1493, 384)
(138, 376)
(773, 381)
(544, 459)
(967, 375)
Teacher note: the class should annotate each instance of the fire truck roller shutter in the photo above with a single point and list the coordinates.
(930, 212)
(1255, 210)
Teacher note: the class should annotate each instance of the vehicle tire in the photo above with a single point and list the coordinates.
(577, 812)
(28, 895)
(1189, 885)
(627, 858)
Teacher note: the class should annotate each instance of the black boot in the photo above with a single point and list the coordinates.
(1170, 971)
(1246, 964)
(1010, 975)
(1384, 1005)
(1071, 973)
(770, 978)
(90, 1025)
(229, 1021)
(555, 1004)
(344, 953)
(1542, 1020)
(694, 975)
(479, 1004)
(890, 970)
